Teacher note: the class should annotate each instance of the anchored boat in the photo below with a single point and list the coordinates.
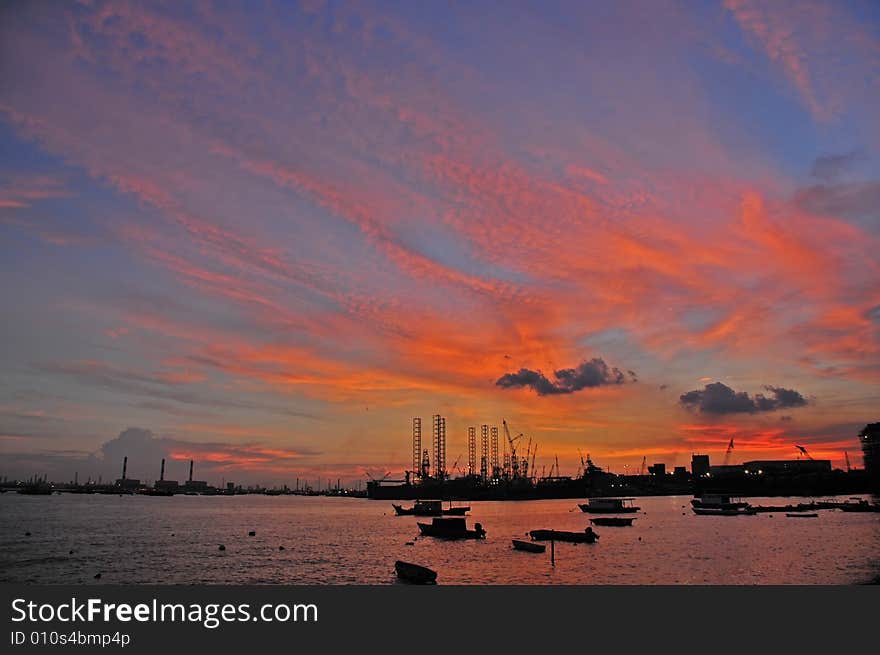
(609, 506)
(585, 537)
(414, 573)
(528, 546)
(429, 508)
(451, 528)
(613, 521)
(721, 505)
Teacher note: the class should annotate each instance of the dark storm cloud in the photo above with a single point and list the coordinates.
(593, 373)
(718, 398)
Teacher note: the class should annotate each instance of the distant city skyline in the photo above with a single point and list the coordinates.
(267, 237)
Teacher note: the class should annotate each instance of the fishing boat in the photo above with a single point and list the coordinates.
(613, 521)
(528, 546)
(585, 537)
(451, 528)
(801, 515)
(414, 573)
(609, 506)
(429, 508)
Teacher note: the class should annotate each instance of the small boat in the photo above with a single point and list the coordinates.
(858, 505)
(719, 501)
(429, 508)
(724, 511)
(420, 508)
(609, 506)
(721, 505)
(800, 515)
(451, 528)
(414, 573)
(613, 521)
(528, 546)
(585, 537)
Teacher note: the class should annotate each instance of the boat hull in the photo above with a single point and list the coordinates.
(561, 535)
(528, 546)
(723, 511)
(414, 573)
(454, 528)
(613, 521)
(602, 510)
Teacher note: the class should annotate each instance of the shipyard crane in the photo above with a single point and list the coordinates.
(514, 464)
(557, 466)
(846, 457)
(583, 469)
(532, 465)
(642, 470)
(803, 451)
(525, 462)
(727, 452)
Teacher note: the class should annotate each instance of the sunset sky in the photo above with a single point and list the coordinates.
(266, 235)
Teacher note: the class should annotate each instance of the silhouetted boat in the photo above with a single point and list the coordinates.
(613, 521)
(528, 546)
(451, 528)
(721, 505)
(587, 536)
(609, 506)
(724, 511)
(414, 573)
(860, 505)
(798, 515)
(429, 508)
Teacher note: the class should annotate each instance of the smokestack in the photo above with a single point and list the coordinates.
(162, 474)
(124, 466)
(190, 470)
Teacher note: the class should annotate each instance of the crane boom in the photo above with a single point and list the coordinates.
(514, 464)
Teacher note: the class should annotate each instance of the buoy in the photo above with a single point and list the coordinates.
(27, 534)
(71, 552)
(97, 576)
(410, 543)
(252, 533)
(280, 547)
(172, 534)
(222, 547)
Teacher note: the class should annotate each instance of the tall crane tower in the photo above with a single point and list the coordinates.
(417, 447)
(472, 450)
(439, 446)
(496, 469)
(484, 451)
